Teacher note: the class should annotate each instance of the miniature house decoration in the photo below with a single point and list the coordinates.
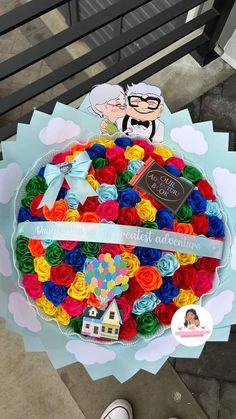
(102, 323)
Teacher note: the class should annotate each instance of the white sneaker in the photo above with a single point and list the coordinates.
(119, 409)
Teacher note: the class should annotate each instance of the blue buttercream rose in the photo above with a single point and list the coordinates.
(97, 150)
(107, 192)
(62, 193)
(172, 169)
(167, 291)
(197, 202)
(216, 227)
(213, 209)
(147, 256)
(164, 218)
(72, 200)
(135, 165)
(54, 293)
(167, 264)
(76, 258)
(128, 197)
(145, 303)
(123, 142)
(38, 219)
(41, 171)
(24, 215)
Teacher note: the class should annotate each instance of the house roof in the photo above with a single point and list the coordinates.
(99, 313)
(117, 309)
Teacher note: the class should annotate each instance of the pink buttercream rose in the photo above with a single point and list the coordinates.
(177, 162)
(33, 286)
(202, 282)
(74, 307)
(113, 249)
(125, 307)
(67, 244)
(108, 210)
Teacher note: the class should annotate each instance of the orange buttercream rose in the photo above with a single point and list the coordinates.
(89, 217)
(149, 278)
(36, 248)
(185, 228)
(93, 301)
(58, 211)
(126, 248)
(78, 147)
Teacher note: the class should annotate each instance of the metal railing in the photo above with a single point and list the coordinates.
(201, 47)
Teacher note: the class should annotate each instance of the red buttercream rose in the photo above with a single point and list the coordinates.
(125, 307)
(184, 277)
(175, 161)
(206, 189)
(33, 286)
(89, 205)
(148, 148)
(134, 291)
(68, 245)
(62, 274)
(120, 165)
(128, 216)
(202, 283)
(157, 158)
(200, 224)
(165, 312)
(60, 157)
(207, 264)
(74, 307)
(108, 210)
(106, 174)
(113, 249)
(114, 153)
(34, 206)
(128, 329)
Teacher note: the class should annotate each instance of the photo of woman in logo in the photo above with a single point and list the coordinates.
(191, 319)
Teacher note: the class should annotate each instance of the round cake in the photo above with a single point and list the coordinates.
(112, 290)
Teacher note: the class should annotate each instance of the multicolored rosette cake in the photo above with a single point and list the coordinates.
(102, 289)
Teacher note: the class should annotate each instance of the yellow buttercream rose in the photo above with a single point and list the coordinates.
(72, 156)
(107, 142)
(62, 316)
(184, 298)
(42, 268)
(134, 153)
(47, 306)
(79, 289)
(164, 152)
(185, 258)
(132, 262)
(146, 211)
(92, 181)
(72, 215)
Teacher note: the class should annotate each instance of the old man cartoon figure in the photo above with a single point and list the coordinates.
(108, 102)
(144, 107)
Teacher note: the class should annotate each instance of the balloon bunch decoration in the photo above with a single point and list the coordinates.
(107, 277)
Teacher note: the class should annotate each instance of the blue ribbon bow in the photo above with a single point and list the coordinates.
(74, 173)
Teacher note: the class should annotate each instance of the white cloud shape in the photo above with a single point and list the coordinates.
(90, 353)
(233, 255)
(23, 313)
(225, 184)
(5, 264)
(189, 139)
(220, 305)
(10, 177)
(156, 349)
(58, 130)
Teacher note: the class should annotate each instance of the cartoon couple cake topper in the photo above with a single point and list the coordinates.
(135, 111)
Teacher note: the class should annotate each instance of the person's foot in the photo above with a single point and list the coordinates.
(119, 409)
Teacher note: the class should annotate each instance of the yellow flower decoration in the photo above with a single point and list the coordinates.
(134, 153)
(107, 142)
(42, 268)
(132, 262)
(79, 289)
(62, 316)
(185, 258)
(184, 298)
(72, 156)
(72, 215)
(47, 306)
(164, 152)
(146, 211)
(92, 181)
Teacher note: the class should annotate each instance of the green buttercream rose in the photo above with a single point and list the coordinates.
(54, 254)
(123, 180)
(150, 224)
(76, 324)
(147, 323)
(191, 173)
(185, 213)
(26, 201)
(26, 263)
(90, 249)
(36, 185)
(100, 162)
(21, 246)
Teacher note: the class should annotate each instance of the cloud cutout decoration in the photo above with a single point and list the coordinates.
(189, 139)
(225, 184)
(90, 353)
(220, 305)
(156, 349)
(10, 177)
(58, 130)
(5, 264)
(23, 313)
(233, 255)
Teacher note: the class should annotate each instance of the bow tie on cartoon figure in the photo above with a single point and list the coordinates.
(145, 124)
(74, 173)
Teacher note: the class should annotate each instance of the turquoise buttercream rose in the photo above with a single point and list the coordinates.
(46, 243)
(134, 165)
(213, 208)
(167, 264)
(107, 192)
(72, 200)
(145, 303)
